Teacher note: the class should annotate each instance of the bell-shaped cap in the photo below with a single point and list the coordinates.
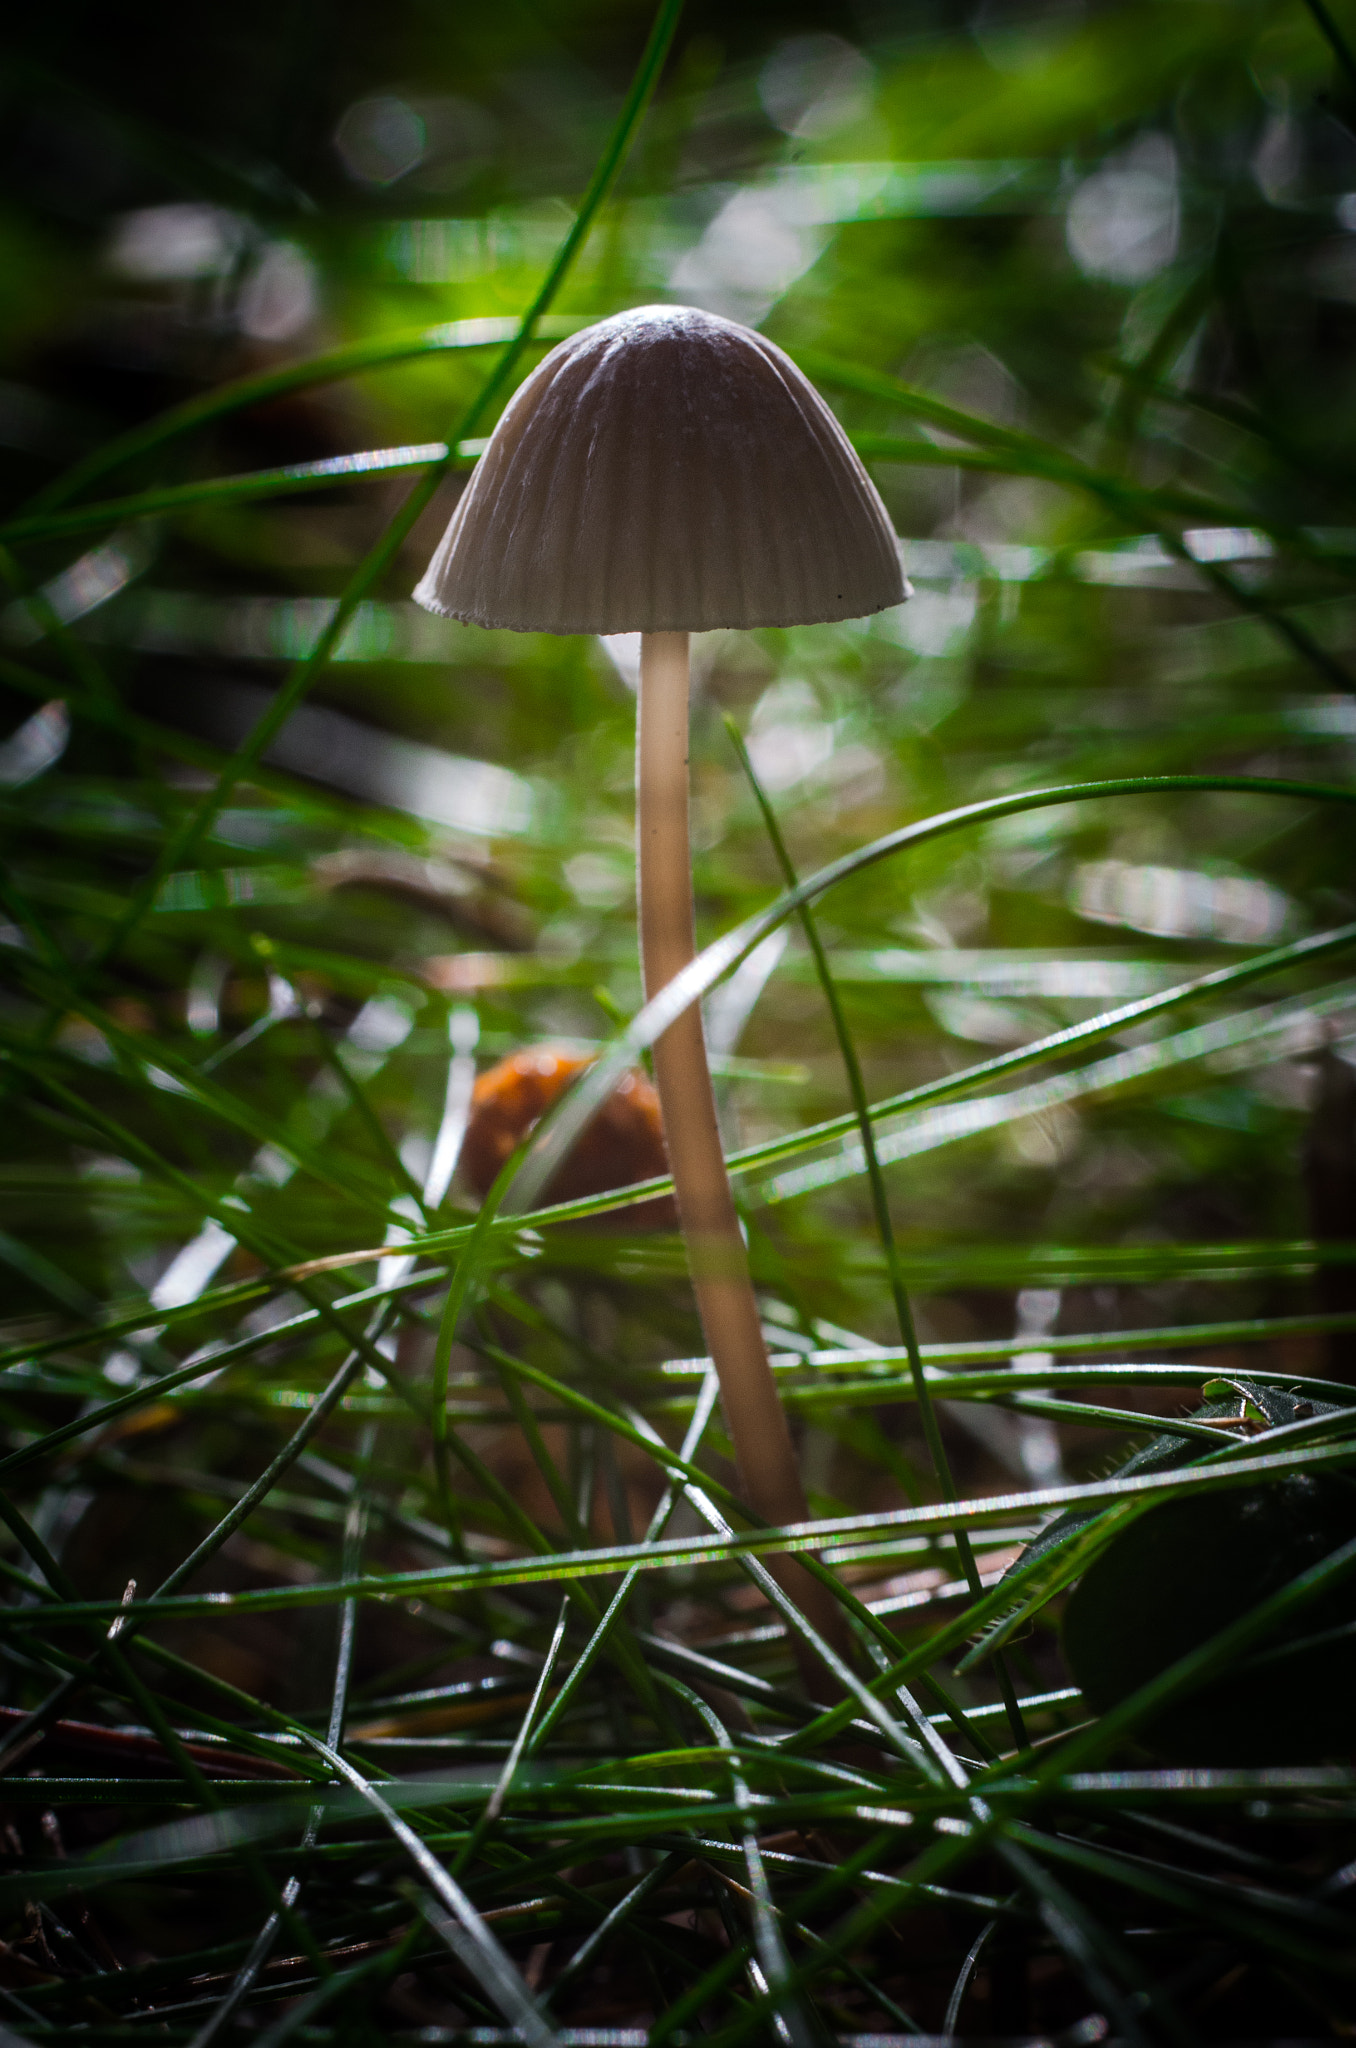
(665, 471)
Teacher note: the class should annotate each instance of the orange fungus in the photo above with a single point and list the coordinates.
(623, 1143)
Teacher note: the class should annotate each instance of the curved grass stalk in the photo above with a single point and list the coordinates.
(240, 1512)
(308, 374)
(1104, 1963)
(263, 1944)
(1177, 1336)
(471, 1941)
(1236, 1466)
(1333, 35)
(181, 843)
(188, 1080)
(793, 2024)
(880, 1201)
(999, 449)
(1007, 1802)
(554, 1140)
(607, 1780)
(726, 953)
(247, 489)
(110, 1648)
(1012, 452)
(1147, 1063)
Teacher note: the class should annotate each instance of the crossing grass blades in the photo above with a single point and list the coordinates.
(388, 1652)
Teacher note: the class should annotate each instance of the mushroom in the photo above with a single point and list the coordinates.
(666, 472)
(624, 1141)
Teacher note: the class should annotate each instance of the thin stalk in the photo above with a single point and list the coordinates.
(717, 1257)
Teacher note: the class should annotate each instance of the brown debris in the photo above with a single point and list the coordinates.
(450, 889)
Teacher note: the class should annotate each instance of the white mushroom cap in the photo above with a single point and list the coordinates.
(665, 470)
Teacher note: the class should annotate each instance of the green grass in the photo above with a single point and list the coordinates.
(385, 1650)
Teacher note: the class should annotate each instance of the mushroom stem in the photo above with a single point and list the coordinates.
(717, 1258)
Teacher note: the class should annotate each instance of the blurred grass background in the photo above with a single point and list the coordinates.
(1081, 282)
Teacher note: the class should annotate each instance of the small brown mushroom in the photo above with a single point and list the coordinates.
(623, 1143)
(667, 472)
